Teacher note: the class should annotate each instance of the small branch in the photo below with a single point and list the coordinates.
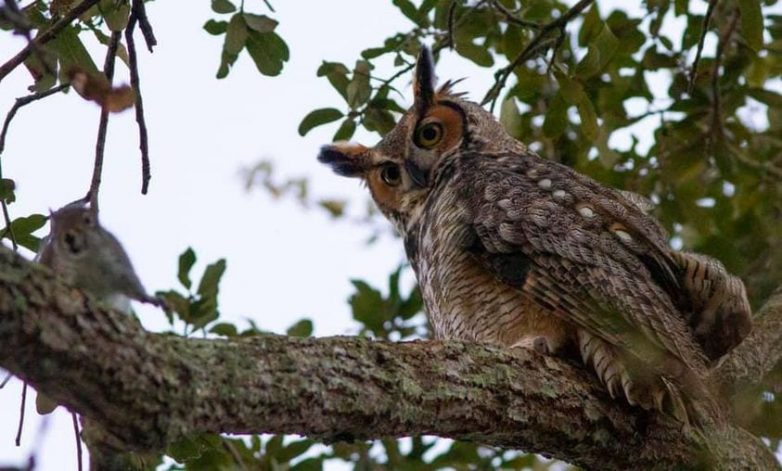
(704, 31)
(511, 18)
(6, 380)
(22, 101)
(108, 70)
(45, 37)
(78, 441)
(451, 14)
(140, 13)
(18, 439)
(136, 84)
(531, 49)
(8, 226)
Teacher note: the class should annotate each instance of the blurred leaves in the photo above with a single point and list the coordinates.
(197, 310)
(388, 317)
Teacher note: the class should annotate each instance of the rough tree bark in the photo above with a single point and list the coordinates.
(141, 390)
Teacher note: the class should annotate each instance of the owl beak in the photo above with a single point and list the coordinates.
(417, 174)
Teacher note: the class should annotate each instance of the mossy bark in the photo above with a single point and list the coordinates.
(140, 391)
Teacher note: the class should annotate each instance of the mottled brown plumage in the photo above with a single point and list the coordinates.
(519, 251)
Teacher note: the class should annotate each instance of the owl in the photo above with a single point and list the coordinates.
(515, 250)
(88, 256)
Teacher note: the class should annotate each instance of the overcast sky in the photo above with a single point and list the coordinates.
(283, 263)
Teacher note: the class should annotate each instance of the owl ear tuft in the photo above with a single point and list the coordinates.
(346, 159)
(424, 81)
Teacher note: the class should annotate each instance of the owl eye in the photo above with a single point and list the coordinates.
(429, 134)
(390, 174)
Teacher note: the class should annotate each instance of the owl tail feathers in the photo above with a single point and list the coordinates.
(684, 398)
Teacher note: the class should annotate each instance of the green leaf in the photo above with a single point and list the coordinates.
(215, 27)
(556, 117)
(752, 23)
(346, 130)
(23, 229)
(294, 450)
(337, 75)
(223, 6)
(210, 282)
(475, 52)
(235, 35)
(44, 405)
(317, 118)
(379, 120)
(588, 119)
(186, 262)
(310, 464)
(268, 51)
(178, 303)
(260, 23)
(225, 329)
(335, 208)
(115, 13)
(366, 304)
(71, 51)
(769, 97)
(359, 90)
(7, 187)
(303, 328)
(599, 53)
(411, 12)
(510, 117)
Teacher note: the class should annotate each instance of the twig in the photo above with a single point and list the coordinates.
(6, 380)
(135, 83)
(45, 37)
(269, 6)
(22, 101)
(530, 49)
(557, 45)
(78, 441)
(18, 440)
(8, 226)
(140, 13)
(451, 14)
(108, 70)
(235, 454)
(511, 18)
(704, 30)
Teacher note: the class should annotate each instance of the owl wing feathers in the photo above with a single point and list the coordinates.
(599, 280)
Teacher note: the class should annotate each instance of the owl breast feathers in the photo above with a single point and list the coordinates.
(515, 250)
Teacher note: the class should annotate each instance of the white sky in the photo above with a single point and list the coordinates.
(283, 263)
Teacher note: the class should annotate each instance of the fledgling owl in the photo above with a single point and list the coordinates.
(88, 256)
(519, 251)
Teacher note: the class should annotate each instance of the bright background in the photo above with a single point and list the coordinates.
(284, 263)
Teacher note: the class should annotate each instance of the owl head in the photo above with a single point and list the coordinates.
(400, 169)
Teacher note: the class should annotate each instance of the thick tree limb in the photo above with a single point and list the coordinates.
(143, 390)
(761, 351)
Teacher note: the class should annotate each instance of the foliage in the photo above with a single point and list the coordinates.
(616, 94)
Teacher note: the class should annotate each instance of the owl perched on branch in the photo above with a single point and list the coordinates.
(519, 251)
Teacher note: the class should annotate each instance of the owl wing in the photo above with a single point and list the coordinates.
(590, 257)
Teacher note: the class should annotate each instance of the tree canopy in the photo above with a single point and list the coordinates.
(678, 101)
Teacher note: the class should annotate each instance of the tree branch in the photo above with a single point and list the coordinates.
(144, 390)
(45, 37)
(761, 351)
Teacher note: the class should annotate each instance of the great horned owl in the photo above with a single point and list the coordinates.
(516, 250)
